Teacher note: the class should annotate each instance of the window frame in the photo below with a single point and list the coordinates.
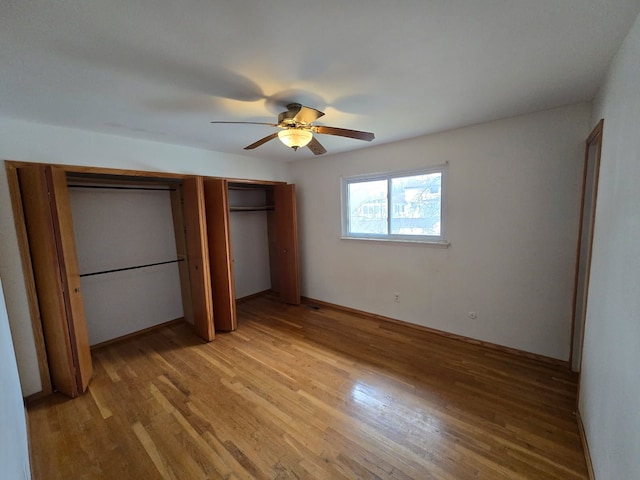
(389, 176)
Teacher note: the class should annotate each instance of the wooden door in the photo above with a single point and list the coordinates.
(216, 194)
(284, 199)
(51, 240)
(198, 257)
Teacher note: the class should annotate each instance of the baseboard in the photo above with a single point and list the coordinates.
(253, 295)
(36, 396)
(585, 446)
(135, 334)
(493, 346)
(29, 449)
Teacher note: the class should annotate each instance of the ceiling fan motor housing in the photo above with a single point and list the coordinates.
(292, 111)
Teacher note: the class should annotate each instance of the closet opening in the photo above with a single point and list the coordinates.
(105, 256)
(264, 240)
(131, 256)
(252, 239)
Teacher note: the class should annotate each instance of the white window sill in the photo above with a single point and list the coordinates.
(428, 243)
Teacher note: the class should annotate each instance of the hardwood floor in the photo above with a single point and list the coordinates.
(303, 393)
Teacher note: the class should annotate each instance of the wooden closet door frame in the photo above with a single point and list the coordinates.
(216, 192)
(198, 258)
(29, 281)
(286, 224)
(585, 245)
(65, 237)
(52, 248)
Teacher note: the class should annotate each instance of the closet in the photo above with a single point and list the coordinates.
(264, 231)
(252, 246)
(253, 243)
(127, 254)
(197, 264)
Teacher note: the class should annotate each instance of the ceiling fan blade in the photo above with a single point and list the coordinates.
(307, 115)
(343, 132)
(261, 141)
(251, 123)
(315, 146)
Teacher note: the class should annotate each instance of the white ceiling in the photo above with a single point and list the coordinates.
(162, 70)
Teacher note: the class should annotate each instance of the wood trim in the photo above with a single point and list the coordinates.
(595, 135)
(100, 345)
(216, 199)
(274, 266)
(198, 254)
(254, 295)
(585, 446)
(70, 276)
(492, 346)
(46, 258)
(286, 238)
(137, 173)
(265, 183)
(101, 170)
(29, 282)
(596, 132)
(34, 397)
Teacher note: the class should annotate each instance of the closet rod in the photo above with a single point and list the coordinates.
(131, 268)
(115, 187)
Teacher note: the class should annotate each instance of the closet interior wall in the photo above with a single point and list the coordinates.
(252, 238)
(128, 256)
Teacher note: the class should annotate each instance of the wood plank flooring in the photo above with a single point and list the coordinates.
(303, 393)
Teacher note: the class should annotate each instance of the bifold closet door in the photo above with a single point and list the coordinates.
(284, 199)
(47, 211)
(198, 257)
(216, 193)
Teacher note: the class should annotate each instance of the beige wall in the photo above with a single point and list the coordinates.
(119, 229)
(14, 451)
(610, 384)
(512, 219)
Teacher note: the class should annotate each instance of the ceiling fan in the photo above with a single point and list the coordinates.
(297, 129)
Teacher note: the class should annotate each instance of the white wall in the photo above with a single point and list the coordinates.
(47, 144)
(610, 382)
(14, 449)
(513, 208)
(249, 244)
(119, 229)
(250, 248)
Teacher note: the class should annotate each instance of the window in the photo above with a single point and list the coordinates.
(403, 206)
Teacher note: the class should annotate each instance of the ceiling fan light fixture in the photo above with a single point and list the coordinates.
(295, 137)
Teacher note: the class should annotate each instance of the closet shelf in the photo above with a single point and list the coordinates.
(251, 208)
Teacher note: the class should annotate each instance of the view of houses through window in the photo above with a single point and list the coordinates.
(395, 204)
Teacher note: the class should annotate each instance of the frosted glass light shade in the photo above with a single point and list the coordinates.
(295, 137)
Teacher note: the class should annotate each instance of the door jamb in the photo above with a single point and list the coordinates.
(594, 138)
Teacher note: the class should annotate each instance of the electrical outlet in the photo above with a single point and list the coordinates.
(396, 297)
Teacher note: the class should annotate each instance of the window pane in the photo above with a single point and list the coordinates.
(416, 204)
(368, 207)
